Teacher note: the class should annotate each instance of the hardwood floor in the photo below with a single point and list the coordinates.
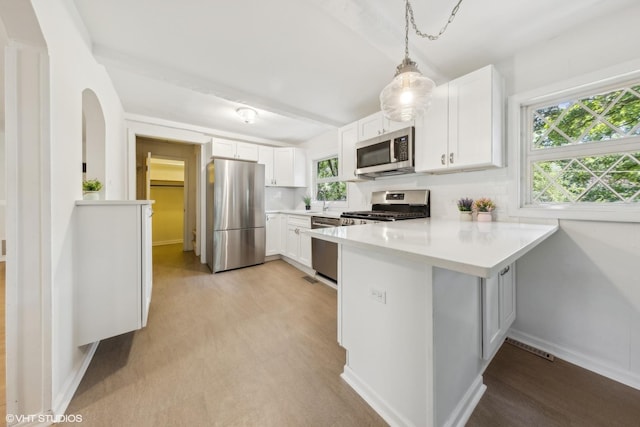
(3, 378)
(256, 347)
(526, 390)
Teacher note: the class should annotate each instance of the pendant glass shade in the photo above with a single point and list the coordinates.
(408, 95)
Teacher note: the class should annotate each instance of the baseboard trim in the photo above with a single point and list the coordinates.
(61, 402)
(306, 270)
(167, 242)
(374, 400)
(622, 376)
(463, 410)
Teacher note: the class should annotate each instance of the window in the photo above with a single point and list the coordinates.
(581, 150)
(328, 184)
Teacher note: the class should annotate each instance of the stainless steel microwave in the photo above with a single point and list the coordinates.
(387, 154)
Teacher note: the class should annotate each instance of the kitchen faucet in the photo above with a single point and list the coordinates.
(325, 204)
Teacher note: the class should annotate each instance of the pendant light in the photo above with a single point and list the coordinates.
(409, 93)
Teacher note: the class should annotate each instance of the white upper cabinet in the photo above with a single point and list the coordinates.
(289, 167)
(234, 149)
(265, 157)
(463, 127)
(284, 166)
(347, 138)
(377, 124)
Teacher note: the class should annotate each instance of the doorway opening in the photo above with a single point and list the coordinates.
(167, 172)
(166, 185)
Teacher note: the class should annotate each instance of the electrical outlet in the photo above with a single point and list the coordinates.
(378, 295)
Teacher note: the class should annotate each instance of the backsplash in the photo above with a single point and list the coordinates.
(445, 190)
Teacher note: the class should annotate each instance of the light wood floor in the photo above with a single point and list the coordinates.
(3, 380)
(256, 347)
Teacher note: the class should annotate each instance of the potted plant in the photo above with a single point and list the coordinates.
(464, 206)
(484, 206)
(307, 202)
(90, 189)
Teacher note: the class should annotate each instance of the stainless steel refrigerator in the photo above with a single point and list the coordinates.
(235, 214)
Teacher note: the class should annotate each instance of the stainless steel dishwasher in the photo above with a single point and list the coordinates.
(324, 255)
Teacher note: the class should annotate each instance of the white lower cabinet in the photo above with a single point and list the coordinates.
(274, 233)
(297, 244)
(113, 271)
(498, 309)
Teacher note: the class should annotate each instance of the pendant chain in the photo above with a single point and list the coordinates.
(408, 16)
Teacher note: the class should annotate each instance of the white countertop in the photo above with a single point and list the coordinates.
(475, 248)
(113, 202)
(327, 214)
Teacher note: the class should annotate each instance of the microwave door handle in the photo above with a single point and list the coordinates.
(392, 154)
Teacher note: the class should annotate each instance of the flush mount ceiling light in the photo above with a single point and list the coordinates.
(409, 93)
(247, 114)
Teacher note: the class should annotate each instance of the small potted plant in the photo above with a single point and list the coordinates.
(484, 206)
(464, 206)
(307, 202)
(90, 189)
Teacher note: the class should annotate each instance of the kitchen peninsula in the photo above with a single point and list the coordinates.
(423, 305)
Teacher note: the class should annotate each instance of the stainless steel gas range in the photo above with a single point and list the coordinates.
(391, 206)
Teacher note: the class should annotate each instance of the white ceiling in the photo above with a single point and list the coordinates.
(305, 65)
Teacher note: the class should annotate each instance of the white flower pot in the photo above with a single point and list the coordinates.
(466, 216)
(484, 217)
(91, 195)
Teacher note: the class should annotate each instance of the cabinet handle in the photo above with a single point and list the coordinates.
(442, 159)
(505, 270)
(450, 157)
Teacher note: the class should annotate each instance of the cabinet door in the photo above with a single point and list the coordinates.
(273, 234)
(371, 126)
(283, 159)
(265, 157)
(246, 151)
(292, 243)
(391, 125)
(498, 310)
(472, 119)
(432, 133)
(305, 247)
(224, 148)
(347, 138)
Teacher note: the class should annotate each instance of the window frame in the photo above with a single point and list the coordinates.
(315, 181)
(523, 155)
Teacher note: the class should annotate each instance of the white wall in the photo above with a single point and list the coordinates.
(578, 293)
(72, 69)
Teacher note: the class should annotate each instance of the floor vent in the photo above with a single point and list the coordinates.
(531, 349)
(309, 279)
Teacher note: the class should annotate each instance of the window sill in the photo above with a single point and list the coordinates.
(599, 213)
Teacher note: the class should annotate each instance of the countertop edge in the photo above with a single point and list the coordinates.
(483, 271)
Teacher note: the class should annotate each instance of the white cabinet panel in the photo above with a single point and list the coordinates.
(246, 151)
(432, 133)
(113, 273)
(265, 157)
(284, 166)
(273, 234)
(498, 309)
(297, 243)
(347, 139)
(371, 126)
(234, 150)
(463, 127)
